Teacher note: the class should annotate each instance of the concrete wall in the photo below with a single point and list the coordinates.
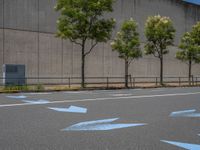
(21, 14)
(21, 48)
(47, 56)
(31, 15)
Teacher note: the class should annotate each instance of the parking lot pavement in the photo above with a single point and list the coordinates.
(139, 119)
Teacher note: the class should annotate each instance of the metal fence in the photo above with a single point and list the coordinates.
(107, 81)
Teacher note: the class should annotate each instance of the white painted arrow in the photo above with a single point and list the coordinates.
(72, 109)
(100, 125)
(187, 146)
(185, 113)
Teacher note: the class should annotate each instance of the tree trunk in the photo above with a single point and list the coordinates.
(83, 66)
(190, 72)
(161, 70)
(126, 74)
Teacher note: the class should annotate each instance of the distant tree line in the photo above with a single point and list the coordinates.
(82, 22)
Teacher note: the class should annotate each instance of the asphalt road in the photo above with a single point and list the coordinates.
(26, 125)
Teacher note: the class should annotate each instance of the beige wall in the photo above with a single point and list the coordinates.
(60, 58)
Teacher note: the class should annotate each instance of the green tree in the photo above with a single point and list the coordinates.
(160, 34)
(127, 44)
(82, 22)
(195, 33)
(190, 49)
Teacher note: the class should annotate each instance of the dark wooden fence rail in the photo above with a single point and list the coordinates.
(107, 81)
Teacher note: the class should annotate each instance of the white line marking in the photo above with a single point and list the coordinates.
(158, 90)
(122, 95)
(103, 99)
(137, 89)
(37, 93)
(78, 92)
(17, 97)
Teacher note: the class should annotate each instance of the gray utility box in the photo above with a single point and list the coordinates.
(14, 74)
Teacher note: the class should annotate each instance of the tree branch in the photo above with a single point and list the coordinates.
(73, 41)
(91, 48)
(156, 49)
(91, 22)
(130, 61)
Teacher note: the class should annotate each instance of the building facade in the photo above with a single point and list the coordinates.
(27, 36)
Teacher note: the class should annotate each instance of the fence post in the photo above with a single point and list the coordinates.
(107, 82)
(196, 81)
(179, 80)
(131, 81)
(156, 81)
(69, 82)
(192, 80)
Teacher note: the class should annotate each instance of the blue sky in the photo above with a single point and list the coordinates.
(197, 2)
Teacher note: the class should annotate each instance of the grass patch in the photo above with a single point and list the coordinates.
(39, 88)
(15, 88)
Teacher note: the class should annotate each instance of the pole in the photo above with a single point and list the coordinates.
(38, 41)
(3, 44)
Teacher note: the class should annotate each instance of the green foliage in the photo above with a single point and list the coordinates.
(190, 45)
(127, 44)
(39, 88)
(16, 88)
(190, 49)
(195, 33)
(160, 33)
(127, 41)
(81, 20)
